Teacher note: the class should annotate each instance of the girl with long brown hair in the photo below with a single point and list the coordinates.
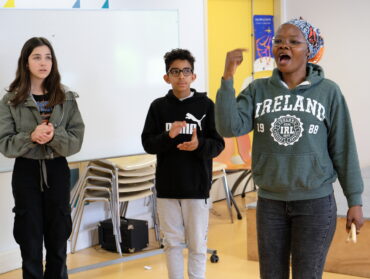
(40, 125)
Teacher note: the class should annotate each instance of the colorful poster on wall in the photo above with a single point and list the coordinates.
(263, 34)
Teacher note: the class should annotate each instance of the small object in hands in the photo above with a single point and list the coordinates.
(352, 237)
(147, 267)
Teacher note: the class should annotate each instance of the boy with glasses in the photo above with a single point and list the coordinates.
(180, 129)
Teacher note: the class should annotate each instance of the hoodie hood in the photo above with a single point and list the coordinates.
(315, 74)
(196, 95)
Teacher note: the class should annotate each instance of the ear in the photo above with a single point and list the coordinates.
(193, 77)
(166, 78)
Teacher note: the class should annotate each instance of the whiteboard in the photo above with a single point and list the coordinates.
(112, 58)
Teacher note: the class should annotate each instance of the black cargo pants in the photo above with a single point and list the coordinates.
(42, 213)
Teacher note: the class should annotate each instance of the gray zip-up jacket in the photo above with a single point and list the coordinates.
(18, 122)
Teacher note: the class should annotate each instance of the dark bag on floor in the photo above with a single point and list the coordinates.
(134, 235)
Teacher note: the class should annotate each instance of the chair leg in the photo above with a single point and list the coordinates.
(239, 215)
(246, 185)
(77, 188)
(113, 213)
(77, 225)
(227, 195)
(116, 235)
(116, 206)
(239, 180)
(123, 209)
(155, 219)
(80, 205)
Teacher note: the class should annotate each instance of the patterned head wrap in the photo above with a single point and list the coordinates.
(313, 37)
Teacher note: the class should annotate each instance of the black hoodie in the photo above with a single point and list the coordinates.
(182, 174)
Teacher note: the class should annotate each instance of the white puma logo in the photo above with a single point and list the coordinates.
(192, 117)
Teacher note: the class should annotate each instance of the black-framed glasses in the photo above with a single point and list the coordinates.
(288, 42)
(176, 72)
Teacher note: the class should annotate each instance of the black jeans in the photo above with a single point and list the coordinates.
(296, 231)
(42, 216)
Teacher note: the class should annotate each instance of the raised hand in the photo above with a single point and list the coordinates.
(190, 145)
(176, 128)
(233, 59)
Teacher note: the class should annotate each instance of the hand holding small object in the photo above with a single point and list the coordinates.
(352, 235)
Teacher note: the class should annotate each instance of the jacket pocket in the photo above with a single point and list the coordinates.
(283, 172)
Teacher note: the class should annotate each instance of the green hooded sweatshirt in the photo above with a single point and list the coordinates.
(303, 138)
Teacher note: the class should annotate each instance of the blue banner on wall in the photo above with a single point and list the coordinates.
(263, 34)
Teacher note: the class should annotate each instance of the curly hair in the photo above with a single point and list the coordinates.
(178, 53)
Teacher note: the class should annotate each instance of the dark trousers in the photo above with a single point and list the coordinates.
(42, 216)
(296, 232)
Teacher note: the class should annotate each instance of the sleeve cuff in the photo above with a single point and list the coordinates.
(227, 84)
(354, 200)
(28, 139)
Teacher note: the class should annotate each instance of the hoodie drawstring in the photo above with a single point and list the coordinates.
(43, 175)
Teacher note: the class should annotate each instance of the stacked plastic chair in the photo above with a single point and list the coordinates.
(116, 182)
(96, 184)
(135, 180)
